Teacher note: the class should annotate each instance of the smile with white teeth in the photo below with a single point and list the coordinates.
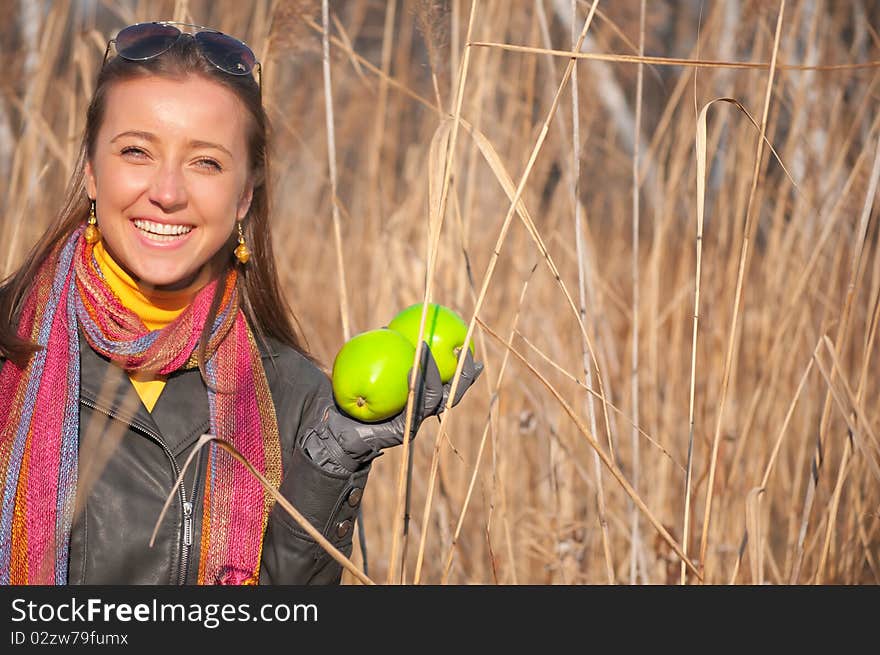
(161, 231)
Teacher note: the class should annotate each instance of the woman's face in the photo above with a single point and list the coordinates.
(170, 177)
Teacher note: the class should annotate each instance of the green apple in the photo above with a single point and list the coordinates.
(370, 381)
(444, 333)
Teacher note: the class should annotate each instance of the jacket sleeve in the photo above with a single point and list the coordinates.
(328, 498)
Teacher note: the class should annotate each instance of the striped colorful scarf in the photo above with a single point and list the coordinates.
(39, 418)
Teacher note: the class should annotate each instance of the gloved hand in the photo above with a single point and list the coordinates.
(343, 444)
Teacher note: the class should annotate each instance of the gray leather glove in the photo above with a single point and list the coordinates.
(342, 444)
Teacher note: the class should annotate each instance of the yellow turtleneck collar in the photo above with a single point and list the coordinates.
(155, 308)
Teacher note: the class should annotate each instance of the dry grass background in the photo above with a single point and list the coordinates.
(783, 394)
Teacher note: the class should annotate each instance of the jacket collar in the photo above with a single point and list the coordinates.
(182, 413)
(107, 387)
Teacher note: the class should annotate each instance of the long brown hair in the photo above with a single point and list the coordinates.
(264, 305)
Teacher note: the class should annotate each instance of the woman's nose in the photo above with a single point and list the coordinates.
(168, 189)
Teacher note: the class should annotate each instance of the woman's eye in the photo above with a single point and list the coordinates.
(134, 151)
(209, 164)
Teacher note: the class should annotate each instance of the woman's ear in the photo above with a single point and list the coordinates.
(91, 185)
(244, 203)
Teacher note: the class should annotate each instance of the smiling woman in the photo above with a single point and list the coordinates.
(150, 313)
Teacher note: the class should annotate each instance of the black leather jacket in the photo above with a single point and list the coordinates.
(130, 458)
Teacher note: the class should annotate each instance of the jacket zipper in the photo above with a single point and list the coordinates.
(186, 541)
(188, 523)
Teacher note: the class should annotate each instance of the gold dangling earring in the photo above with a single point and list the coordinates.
(93, 234)
(242, 254)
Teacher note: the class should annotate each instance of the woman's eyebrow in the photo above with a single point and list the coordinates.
(209, 144)
(149, 136)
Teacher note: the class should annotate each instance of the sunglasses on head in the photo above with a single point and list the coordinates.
(144, 41)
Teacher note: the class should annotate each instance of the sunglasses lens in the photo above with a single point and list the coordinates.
(227, 54)
(145, 40)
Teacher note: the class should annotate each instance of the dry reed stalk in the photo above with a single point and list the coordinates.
(454, 42)
(671, 61)
(433, 242)
(762, 487)
(596, 394)
(838, 161)
(805, 275)
(490, 427)
(855, 435)
(701, 150)
(870, 342)
(495, 393)
(24, 183)
(181, 12)
(634, 376)
(346, 39)
(841, 339)
(858, 425)
(397, 84)
(494, 161)
(609, 464)
(666, 206)
(331, 158)
(843, 471)
(615, 28)
(470, 186)
(573, 173)
(492, 158)
(865, 540)
(748, 236)
(845, 465)
(488, 62)
(608, 88)
(439, 156)
(373, 165)
(544, 28)
(701, 200)
(601, 511)
(488, 276)
(379, 120)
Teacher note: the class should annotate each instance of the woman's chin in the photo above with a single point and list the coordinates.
(165, 280)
